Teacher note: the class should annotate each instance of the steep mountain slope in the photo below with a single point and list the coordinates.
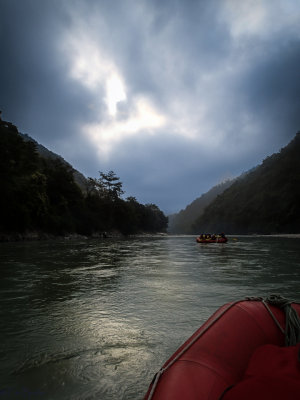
(79, 178)
(265, 201)
(182, 221)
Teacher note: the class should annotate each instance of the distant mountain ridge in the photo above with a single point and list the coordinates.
(262, 200)
(182, 222)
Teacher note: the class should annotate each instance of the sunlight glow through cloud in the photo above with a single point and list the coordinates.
(93, 69)
(86, 63)
(115, 93)
(144, 118)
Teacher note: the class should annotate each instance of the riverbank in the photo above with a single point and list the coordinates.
(41, 236)
(283, 235)
(288, 235)
(35, 236)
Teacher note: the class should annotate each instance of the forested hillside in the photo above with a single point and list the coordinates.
(182, 222)
(265, 201)
(79, 178)
(40, 194)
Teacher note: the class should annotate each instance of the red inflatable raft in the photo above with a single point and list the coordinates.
(216, 356)
(217, 240)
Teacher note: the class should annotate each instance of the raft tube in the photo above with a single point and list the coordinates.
(218, 240)
(216, 356)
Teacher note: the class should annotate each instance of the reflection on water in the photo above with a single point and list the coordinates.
(95, 319)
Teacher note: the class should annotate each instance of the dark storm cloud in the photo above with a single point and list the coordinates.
(35, 92)
(210, 87)
(272, 91)
(167, 51)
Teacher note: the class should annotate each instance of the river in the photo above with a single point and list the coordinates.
(95, 319)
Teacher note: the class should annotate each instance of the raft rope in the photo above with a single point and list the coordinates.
(292, 320)
(291, 331)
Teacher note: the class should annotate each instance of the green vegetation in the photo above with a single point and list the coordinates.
(40, 194)
(266, 200)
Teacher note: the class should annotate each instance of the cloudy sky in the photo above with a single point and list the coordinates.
(173, 95)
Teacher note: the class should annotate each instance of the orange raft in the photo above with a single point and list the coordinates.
(216, 356)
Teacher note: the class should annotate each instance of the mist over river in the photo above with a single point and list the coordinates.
(95, 319)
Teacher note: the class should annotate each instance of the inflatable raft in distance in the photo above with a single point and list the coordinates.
(217, 240)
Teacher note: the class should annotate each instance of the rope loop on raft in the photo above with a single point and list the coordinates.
(292, 320)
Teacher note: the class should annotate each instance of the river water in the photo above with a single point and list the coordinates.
(90, 319)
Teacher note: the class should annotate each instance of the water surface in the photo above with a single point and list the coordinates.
(92, 319)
